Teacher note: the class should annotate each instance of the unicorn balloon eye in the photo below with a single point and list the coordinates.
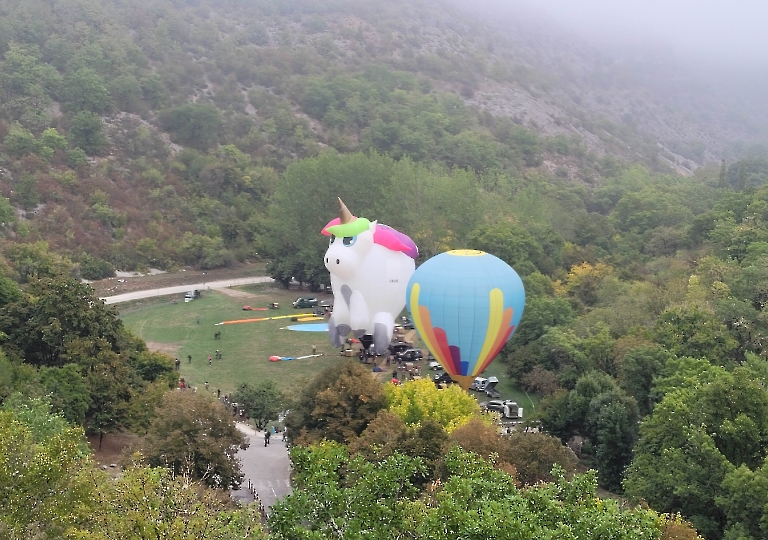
(349, 240)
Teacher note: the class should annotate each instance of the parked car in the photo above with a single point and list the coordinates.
(398, 348)
(409, 355)
(406, 323)
(442, 380)
(326, 303)
(507, 408)
(305, 302)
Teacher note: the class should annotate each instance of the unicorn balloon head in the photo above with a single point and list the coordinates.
(370, 265)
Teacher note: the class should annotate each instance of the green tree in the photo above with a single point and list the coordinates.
(696, 437)
(86, 132)
(194, 435)
(148, 503)
(600, 411)
(292, 240)
(339, 497)
(84, 90)
(512, 244)
(20, 141)
(126, 92)
(52, 314)
(638, 369)
(110, 393)
(744, 501)
(192, 125)
(68, 390)
(695, 333)
(44, 473)
(262, 402)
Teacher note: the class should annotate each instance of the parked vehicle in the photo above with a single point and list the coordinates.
(305, 302)
(409, 355)
(397, 348)
(443, 379)
(506, 408)
(435, 365)
(479, 384)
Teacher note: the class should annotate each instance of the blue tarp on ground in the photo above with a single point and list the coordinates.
(313, 327)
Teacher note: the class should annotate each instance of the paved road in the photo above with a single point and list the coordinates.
(137, 295)
(268, 468)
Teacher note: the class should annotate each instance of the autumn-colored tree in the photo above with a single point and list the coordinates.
(533, 455)
(380, 438)
(337, 405)
(583, 281)
(418, 400)
(529, 457)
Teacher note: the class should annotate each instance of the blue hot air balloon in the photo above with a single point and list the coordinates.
(465, 305)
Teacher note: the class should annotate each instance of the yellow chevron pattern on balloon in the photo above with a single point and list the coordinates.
(499, 323)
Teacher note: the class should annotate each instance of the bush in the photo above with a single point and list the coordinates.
(93, 268)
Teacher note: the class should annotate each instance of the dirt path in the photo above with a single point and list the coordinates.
(238, 294)
(167, 348)
(115, 286)
(178, 289)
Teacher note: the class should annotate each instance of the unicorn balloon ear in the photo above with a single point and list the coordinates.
(345, 216)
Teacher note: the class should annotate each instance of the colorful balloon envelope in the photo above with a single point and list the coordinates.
(465, 305)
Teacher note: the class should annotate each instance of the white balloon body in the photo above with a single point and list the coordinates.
(369, 282)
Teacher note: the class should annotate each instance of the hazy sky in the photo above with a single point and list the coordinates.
(711, 29)
(731, 31)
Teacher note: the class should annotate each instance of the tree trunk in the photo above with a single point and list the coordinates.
(101, 438)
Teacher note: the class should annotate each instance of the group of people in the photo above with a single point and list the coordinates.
(268, 432)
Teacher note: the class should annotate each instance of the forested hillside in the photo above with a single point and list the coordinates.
(155, 133)
(172, 133)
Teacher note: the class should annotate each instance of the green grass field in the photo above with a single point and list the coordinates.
(246, 348)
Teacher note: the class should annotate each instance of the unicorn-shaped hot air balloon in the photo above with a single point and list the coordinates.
(370, 265)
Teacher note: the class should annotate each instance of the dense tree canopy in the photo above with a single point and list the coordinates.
(194, 435)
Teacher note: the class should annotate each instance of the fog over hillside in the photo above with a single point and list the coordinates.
(705, 59)
(726, 33)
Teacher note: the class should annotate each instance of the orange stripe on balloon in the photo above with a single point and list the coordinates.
(436, 338)
(423, 322)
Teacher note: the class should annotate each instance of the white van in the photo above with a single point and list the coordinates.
(188, 297)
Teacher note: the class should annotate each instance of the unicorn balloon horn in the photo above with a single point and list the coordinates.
(345, 216)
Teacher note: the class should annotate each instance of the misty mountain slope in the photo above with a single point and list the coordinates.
(154, 132)
(540, 75)
(617, 94)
